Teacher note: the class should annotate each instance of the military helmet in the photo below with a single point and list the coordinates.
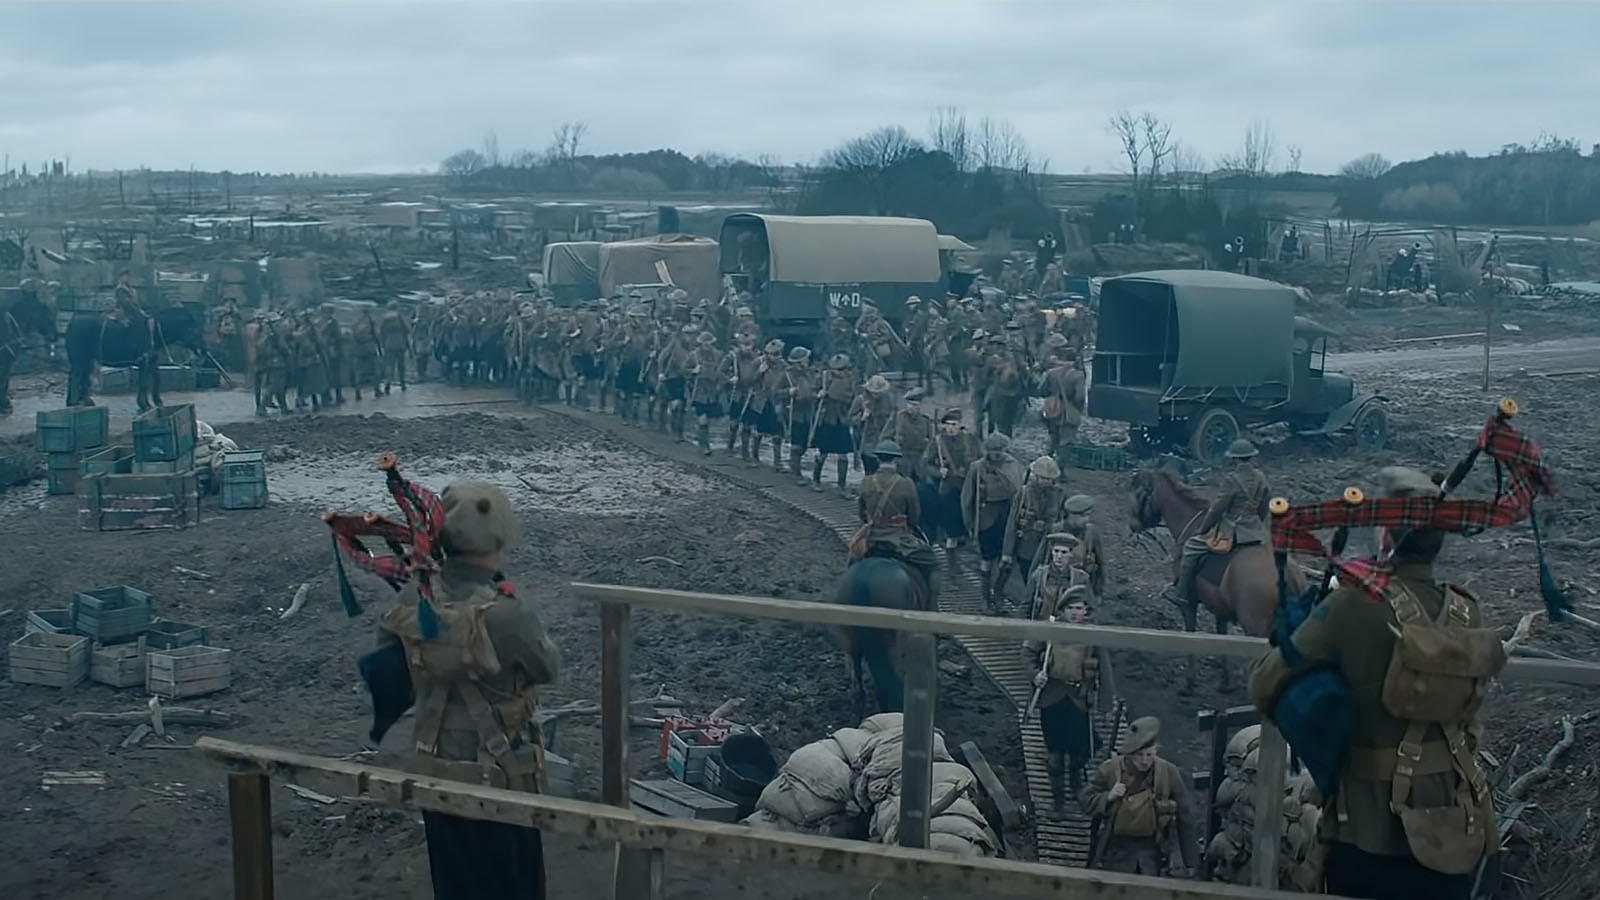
(689, 329)
(839, 361)
(743, 311)
(1044, 467)
(877, 384)
(707, 338)
(678, 295)
(915, 395)
(1056, 341)
(1013, 325)
(1079, 504)
(887, 450)
(638, 312)
(913, 300)
(799, 354)
(775, 347)
(996, 443)
(1241, 449)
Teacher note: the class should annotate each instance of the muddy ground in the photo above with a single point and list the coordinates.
(160, 819)
(295, 684)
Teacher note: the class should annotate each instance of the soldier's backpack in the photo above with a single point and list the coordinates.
(1149, 812)
(1438, 674)
(841, 387)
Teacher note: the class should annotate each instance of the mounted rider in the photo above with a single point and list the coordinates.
(888, 508)
(1236, 518)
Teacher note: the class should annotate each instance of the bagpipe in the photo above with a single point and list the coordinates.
(1316, 712)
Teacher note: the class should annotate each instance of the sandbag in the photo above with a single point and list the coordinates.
(883, 722)
(961, 827)
(853, 743)
(821, 767)
(957, 846)
(965, 809)
(787, 797)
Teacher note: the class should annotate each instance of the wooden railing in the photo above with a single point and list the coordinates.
(641, 841)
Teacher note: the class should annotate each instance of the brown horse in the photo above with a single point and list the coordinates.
(1241, 586)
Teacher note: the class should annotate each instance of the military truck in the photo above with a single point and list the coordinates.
(1190, 358)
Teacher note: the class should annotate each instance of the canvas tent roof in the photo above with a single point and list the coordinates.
(846, 249)
(690, 261)
(951, 242)
(1233, 330)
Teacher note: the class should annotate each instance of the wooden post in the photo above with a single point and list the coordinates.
(916, 753)
(636, 874)
(1486, 296)
(1270, 774)
(1219, 747)
(250, 809)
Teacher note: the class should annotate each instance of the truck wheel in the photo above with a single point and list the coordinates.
(1212, 433)
(1371, 428)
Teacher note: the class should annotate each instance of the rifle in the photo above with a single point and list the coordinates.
(1104, 826)
(1044, 666)
(816, 413)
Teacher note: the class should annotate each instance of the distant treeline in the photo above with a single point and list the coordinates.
(1551, 183)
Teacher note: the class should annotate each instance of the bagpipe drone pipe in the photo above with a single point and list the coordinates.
(1316, 711)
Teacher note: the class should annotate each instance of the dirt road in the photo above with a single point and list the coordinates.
(1454, 357)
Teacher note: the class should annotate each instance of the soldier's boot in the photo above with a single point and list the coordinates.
(679, 419)
(704, 435)
(1075, 766)
(733, 435)
(338, 396)
(1178, 594)
(755, 452)
(985, 583)
(794, 464)
(357, 389)
(1056, 767)
(777, 454)
(744, 444)
(844, 476)
(816, 473)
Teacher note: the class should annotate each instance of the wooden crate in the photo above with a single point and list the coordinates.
(676, 800)
(560, 776)
(244, 479)
(166, 635)
(176, 378)
(71, 430)
(131, 502)
(188, 672)
(49, 621)
(116, 459)
(55, 660)
(111, 615)
(120, 665)
(62, 472)
(184, 463)
(164, 434)
(687, 752)
(119, 380)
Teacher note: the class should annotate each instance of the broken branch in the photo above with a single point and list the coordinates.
(665, 559)
(298, 601)
(1527, 779)
(170, 715)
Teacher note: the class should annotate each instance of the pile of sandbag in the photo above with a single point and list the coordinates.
(1229, 850)
(209, 445)
(848, 785)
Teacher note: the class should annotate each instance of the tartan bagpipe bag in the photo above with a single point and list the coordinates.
(1315, 711)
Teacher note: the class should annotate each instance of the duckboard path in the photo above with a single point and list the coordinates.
(1059, 838)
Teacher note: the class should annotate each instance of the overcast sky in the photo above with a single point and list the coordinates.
(345, 87)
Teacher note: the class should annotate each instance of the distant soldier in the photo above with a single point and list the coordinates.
(876, 338)
(1044, 253)
(334, 358)
(761, 412)
(230, 328)
(394, 336)
(800, 406)
(1031, 517)
(1142, 800)
(913, 430)
(1064, 392)
(705, 390)
(673, 364)
(634, 345)
(1004, 384)
(310, 364)
(365, 355)
(870, 413)
(1060, 569)
(1076, 512)
(831, 428)
(127, 305)
(1237, 517)
(742, 370)
(273, 357)
(744, 324)
(952, 453)
(1067, 678)
(986, 499)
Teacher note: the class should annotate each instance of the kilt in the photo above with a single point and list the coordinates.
(835, 439)
(585, 365)
(628, 377)
(474, 860)
(763, 420)
(674, 387)
(800, 433)
(712, 410)
(950, 517)
(992, 540)
(1066, 728)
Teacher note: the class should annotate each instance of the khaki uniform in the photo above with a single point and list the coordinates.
(914, 432)
(1030, 519)
(395, 337)
(1065, 389)
(1355, 634)
(988, 492)
(1147, 821)
(1241, 505)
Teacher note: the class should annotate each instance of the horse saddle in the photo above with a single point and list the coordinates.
(1215, 564)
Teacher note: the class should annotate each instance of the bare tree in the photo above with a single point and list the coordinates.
(871, 161)
(1258, 153)
(491, 149)
(1157, 138)
(948, 133)
(1365, 166)
(1124, 126)
(1294, 159)
(1187, 163)
(463, 164)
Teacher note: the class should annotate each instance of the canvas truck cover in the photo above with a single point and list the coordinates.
(690, 261)
(572, 263)
(842, 249)
(1232, 330)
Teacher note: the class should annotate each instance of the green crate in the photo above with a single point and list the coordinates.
(72, 429)
(1100, 459)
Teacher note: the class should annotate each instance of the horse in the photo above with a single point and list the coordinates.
(21, 313)
(108, 340)
(884, 582)
(1239, 586)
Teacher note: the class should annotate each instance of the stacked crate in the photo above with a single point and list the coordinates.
(156, 487)
(244, 479)
(65, 437)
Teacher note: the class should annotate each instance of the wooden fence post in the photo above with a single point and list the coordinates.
(637, 872)
(916, 752)
(250, 812)
(1270, 773)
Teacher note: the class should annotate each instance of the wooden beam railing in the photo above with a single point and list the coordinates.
(929, 869)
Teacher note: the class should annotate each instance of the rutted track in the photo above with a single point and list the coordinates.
(1058, 839)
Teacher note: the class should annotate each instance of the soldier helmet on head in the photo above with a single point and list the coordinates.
(743, 311)
(952, 416)
(1057, 341)
(1141, 735)
(1044, 467)
(996, 443)
(799, 354)
(678, 295)
(689, 329)
(913, 300)
(877, 384)
(914, 395)
(1242, 449)
(774, 347)
(887, 450)
(638, 312)
(839, 361)
(706, 338)
(1079, 505)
